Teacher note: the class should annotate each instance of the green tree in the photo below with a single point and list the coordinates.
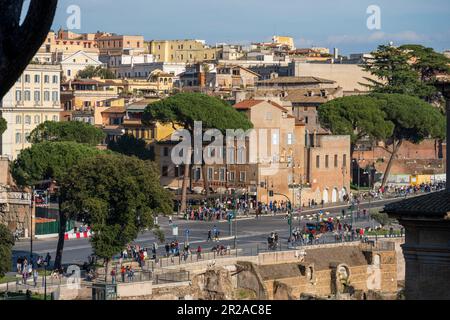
(50, 161)
(184, 109)
(414, 120)
(427, 62)
(3, 126)
(99, 72)
(357, 116)
(393, 67)
(118, 196)
(75, 131)
(6, 244)
(131, 146)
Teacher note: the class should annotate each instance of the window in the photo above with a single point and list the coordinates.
(232, 176)
(197, 174)
(166, 152)
(37, 79)
(27, 78)
(290, 139)
(222, 174)
(318, 162)
(69, 72)
(306, 119)
(326, 161)
(55, 79)
(242, 176)
(18, 95)
(27, 95)
(275, 139)
(27, 137)
(55, 96)
(27, 120)
(241, 156)
(46, 79)
(344, 160)
(18, 120)
(230, 156)
(165, 171)
(37, 119)
(46, 95)
(335, 161)
(55, 118)
(37, 96)
(210, 174)
(18, 138)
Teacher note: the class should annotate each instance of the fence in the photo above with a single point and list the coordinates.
(191, 258)
(172, 277)
(52, 227)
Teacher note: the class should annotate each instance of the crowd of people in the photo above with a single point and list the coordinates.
(27, 269)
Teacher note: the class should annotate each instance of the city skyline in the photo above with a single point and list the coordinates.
(310, 24)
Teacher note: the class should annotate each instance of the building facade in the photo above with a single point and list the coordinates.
(182, 51)
(34, 99)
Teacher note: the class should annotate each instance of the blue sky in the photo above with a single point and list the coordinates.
(328, 23)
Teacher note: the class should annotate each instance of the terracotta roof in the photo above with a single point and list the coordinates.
(248, 104)
(301, 80)
(433, 205)
(304, 95)
(115, 110)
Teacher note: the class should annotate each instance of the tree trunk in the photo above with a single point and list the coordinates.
(106, 270)
(184, 188)
(61, 234)
(395, 149)
(205, 180)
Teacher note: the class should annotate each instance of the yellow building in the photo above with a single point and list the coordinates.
(66, 43)
(188, 51)
(34, 98)
(287, 41)
(157, 83)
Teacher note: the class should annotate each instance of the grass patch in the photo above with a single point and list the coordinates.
(245, 294)
(7, 278)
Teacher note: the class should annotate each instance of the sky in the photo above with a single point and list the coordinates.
(324, 23)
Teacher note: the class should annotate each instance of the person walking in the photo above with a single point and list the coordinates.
(35, 277)
(113, 276)
(209, 236)
(48, 259)
(122, 273)
(199, 252)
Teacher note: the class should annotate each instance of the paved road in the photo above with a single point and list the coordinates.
(251, 233)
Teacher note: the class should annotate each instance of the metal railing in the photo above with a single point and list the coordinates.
(172, 277)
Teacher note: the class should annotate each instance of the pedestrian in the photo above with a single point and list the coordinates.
(170, 220)
(199, 252)
(48, 259)
(209, 236)
(122, 273)
(35, 277)
(19, 265)
(113, 276)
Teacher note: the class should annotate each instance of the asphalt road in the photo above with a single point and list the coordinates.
(251, 233)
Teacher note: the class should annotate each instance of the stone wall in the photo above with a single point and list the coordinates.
(15, 211)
